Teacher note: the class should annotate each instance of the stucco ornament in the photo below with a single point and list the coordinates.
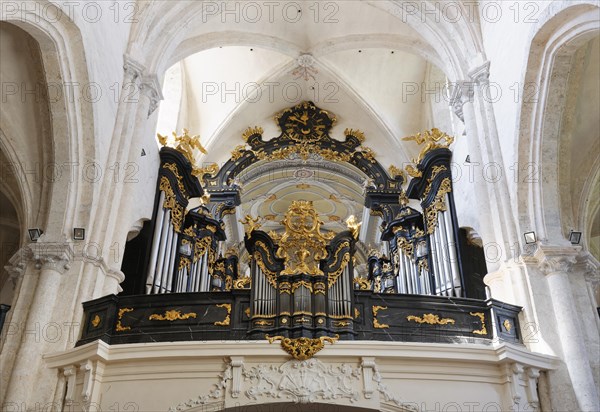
(302, 381)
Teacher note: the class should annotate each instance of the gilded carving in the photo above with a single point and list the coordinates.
(376, 323)
(172, 315)
(507, 325)
(481, 316)
(302, 348)
(432, 139)
(227, 320)
(438, 205)
(353, 226)
(250, 224)
(170, 203)
(431, 319)
(360, 136)
(362, 283)
(302, 283)
(302, 245)
(395, 172)
(120, 327)
(242, 283)
(96, 321)
(333, 276)
(251, 131)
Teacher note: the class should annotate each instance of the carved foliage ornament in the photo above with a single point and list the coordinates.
(305, 128)
(438, 205)
(172, 315)
(431, 140)
(303, 244)
(302, 348)
(431, 319)
(303, 381)
(300, 382)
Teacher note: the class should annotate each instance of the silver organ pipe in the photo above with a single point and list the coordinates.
(163, 258)
(162, 248)
(452, 251)
(171, 268)
(348, 290)
(443, 286)
(264, 294)
(158, 228)
(445, 246)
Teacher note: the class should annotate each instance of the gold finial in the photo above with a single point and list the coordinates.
(205, 199)
(252, 131)
(250, 224)
(185, 144)
(433, 139)
(395, 172)
(353, 225)
(403, 199)
(163, 140)
(360, 136)
(210, 169)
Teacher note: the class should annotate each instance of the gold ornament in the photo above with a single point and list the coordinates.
(172, 315)
(302, 348)
(431, 319)
(227, 320)
(120, 327)
(481, 316)
(433, 139)
(302, 246)
(376, 323)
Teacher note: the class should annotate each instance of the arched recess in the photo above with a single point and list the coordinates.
(72, 135)
(557, 39)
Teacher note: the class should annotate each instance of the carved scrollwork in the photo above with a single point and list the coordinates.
(302, 348)
(303, 381)
(376, 323)
(481, 316)
(172, 315)
(227, 320)
(430, 319)
(120, 327)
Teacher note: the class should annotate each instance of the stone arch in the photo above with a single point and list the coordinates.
(72, 127)
(561, 31)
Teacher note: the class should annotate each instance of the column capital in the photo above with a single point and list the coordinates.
(462, 92)
(555, 259)
(53, 256)
(480, 74)
(132, 68)
(151, 88)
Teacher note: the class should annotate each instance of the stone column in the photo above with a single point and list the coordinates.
(556, 263)
(463, 105)
(491, 152)
(30, 381)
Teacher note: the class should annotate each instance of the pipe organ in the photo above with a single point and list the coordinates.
(302, 279)
(298, 281)
(184, 246)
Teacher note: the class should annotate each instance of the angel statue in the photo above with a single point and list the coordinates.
(184, 144)
(433, 139)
